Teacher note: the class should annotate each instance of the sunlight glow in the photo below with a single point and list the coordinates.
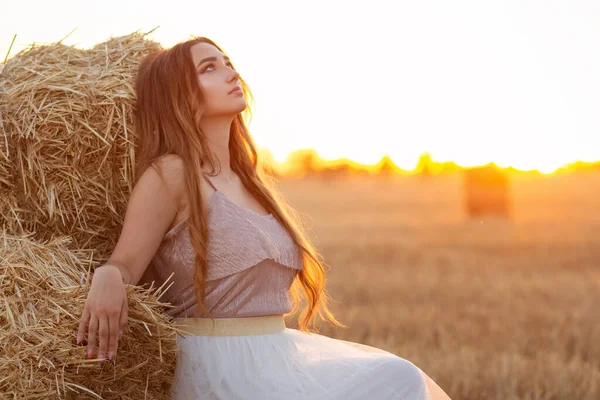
(515, 83)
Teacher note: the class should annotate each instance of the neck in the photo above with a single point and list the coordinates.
(217, 130)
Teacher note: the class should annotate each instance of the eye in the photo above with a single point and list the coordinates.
(213, 66)
(207, 67)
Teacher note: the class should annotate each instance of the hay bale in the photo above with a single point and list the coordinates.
(44, 287)
(486, 191)
(67, 145)
(66, 171)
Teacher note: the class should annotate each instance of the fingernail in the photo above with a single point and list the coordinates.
(101, 357)
(110, 355)
(90, 353)
(120, 334)
(78, 339)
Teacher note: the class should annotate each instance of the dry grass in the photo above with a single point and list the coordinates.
(490, 309)
(67, 139)
(43, 290)
(66, 171)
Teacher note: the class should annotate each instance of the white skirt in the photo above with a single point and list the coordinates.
(290, 364)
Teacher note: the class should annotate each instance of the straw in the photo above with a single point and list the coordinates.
(43, 290)
(67, 139)
(67, 164)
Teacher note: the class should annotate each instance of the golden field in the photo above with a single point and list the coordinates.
(490, 308)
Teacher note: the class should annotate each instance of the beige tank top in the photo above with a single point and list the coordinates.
(252, 262)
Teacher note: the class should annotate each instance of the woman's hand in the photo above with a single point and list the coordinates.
(105, 312)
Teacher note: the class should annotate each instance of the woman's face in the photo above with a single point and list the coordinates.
(218, 81)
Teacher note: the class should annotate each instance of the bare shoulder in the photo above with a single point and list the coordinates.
(171, 170)
(151, 209)
(170, 163)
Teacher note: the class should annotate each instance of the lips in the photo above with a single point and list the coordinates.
(236, 89)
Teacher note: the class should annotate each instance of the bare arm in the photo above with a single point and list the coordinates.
(151, 209)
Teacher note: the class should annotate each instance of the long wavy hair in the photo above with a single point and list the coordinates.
(168, 111)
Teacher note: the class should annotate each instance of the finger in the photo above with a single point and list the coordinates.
(92, 333)
(113, 340)
(85, 319)
(122, 324)
(103, 334)
(123, 320)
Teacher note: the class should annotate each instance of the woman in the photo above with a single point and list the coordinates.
(202, 212)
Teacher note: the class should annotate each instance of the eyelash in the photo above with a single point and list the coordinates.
(212, 65)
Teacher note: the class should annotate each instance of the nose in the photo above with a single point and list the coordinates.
(234, 75)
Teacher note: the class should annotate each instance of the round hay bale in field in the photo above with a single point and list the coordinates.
(44, 287)
(486, 191)
(67, 146)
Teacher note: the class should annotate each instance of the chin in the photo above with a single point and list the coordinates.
(228, 109)
(240, 108)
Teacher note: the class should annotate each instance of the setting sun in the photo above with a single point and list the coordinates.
(467, 82)
(300, 200)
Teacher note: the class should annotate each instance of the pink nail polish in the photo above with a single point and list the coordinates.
(78, 339)
(89, 354)
(110, 355)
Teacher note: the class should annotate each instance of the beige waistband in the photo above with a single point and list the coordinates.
(231, 326)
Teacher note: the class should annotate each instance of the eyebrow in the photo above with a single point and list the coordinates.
(211, 59)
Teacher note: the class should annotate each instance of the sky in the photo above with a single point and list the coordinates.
(515, 82)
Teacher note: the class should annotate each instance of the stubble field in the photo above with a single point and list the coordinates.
(490, 308)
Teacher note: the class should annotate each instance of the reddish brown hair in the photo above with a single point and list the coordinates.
(167, 115)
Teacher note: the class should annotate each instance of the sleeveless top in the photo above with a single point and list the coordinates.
(252, 262)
